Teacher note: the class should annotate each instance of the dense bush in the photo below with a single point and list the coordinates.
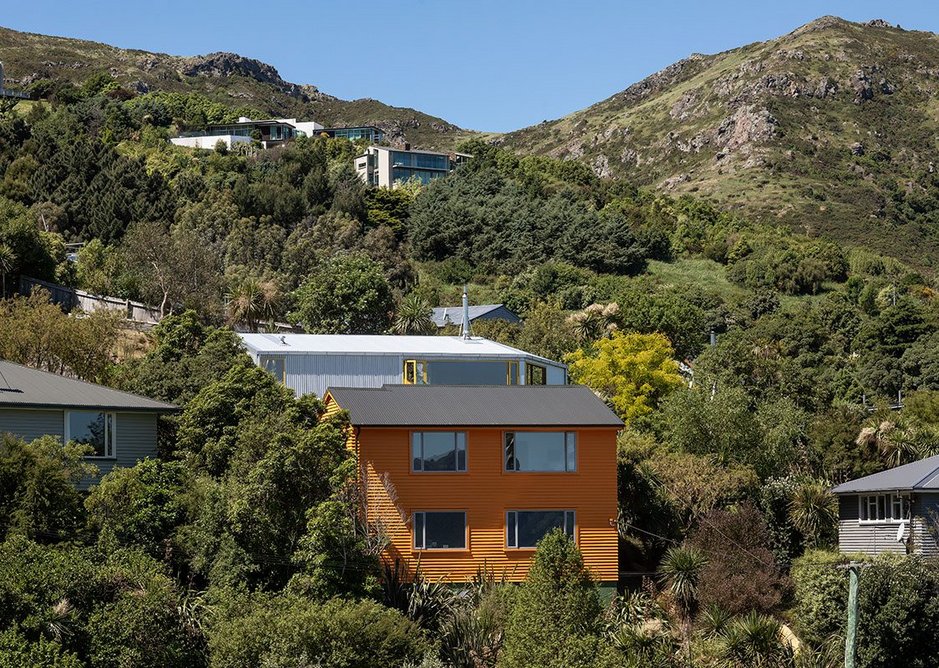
(821, 591)
(287, 631)
(898, 601)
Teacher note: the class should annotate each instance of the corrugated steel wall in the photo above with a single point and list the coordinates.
(486, 492)
(313, 374)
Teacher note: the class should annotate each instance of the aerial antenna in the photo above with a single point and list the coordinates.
(465, 329)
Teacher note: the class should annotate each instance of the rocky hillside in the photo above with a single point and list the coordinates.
(832, 129)
(224, 77)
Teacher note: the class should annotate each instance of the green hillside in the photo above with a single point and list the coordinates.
(830, 129)
(33, 60)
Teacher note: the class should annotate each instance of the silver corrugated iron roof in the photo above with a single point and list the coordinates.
(474, 405)
(21, 386)
(923, 475)
(383, 344)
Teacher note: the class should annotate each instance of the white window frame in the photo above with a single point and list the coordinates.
(456, 458)
(511, 542)
(570, 438)
(110, 437)
(423, 538)
(866, 501)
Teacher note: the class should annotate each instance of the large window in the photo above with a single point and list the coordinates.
(524, 528)
(885, 508)
(440, 530)
(535, 374)
(541, 451)
(94, 428)
(276, 366)
(438, 451)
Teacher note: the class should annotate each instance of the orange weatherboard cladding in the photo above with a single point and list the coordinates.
(486, 492)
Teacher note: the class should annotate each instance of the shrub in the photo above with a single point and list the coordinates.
(821, 592)
(898, 600)
(741, 574)
(291, 631)
(17, 652)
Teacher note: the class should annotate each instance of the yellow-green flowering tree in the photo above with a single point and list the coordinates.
(630, 371)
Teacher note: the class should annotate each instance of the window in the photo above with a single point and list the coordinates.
(440, 530)
(511, 373)
(415, 372)
(524, 528)
(438, 451)
(884, 508)
(276, 366)
(541, 451)
(535, 374)
(94, 428)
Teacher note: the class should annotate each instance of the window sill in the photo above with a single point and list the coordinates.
(109, 457)
(882, 522)
(440, 550)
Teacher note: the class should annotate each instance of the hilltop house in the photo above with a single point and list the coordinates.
(384, 166)
(463, 478)
(453, 315)
(120, 427)
(892, 511)
(270, 132)
(310, 363)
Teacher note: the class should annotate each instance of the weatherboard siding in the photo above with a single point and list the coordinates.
(136, 434)
(32, 424)
(881, 538)
(485, 492)
(313, 374)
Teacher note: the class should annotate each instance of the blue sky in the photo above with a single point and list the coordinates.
(493, 65)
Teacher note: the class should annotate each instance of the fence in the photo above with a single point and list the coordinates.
(72, 298)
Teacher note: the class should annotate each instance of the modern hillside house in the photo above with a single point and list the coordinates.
(891, 511)
(270, 132)
(466, 478)
(310, 363)
(384, 166)
(369, 133)
(453, 315)
(120, 427)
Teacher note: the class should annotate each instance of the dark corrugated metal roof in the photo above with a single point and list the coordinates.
(923, 475)
(21, 386)
(475, 405)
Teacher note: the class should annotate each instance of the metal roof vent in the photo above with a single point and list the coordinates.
(465, 328)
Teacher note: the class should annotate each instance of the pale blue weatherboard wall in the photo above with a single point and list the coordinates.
(136, 433)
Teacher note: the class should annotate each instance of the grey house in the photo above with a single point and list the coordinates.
(891, 511)
(453, 315)
(119, 426)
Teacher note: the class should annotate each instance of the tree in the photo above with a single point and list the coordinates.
(349, 295)
(139, 506)
(173, 269)
(414, 317)
(38, 495)
(7, 264)
(553, 622)
(37, 333)
(755, 641)
(681, 570)
(251, 301)
(633, 372)
(814, 512)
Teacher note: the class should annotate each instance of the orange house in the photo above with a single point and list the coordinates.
(462, 478)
